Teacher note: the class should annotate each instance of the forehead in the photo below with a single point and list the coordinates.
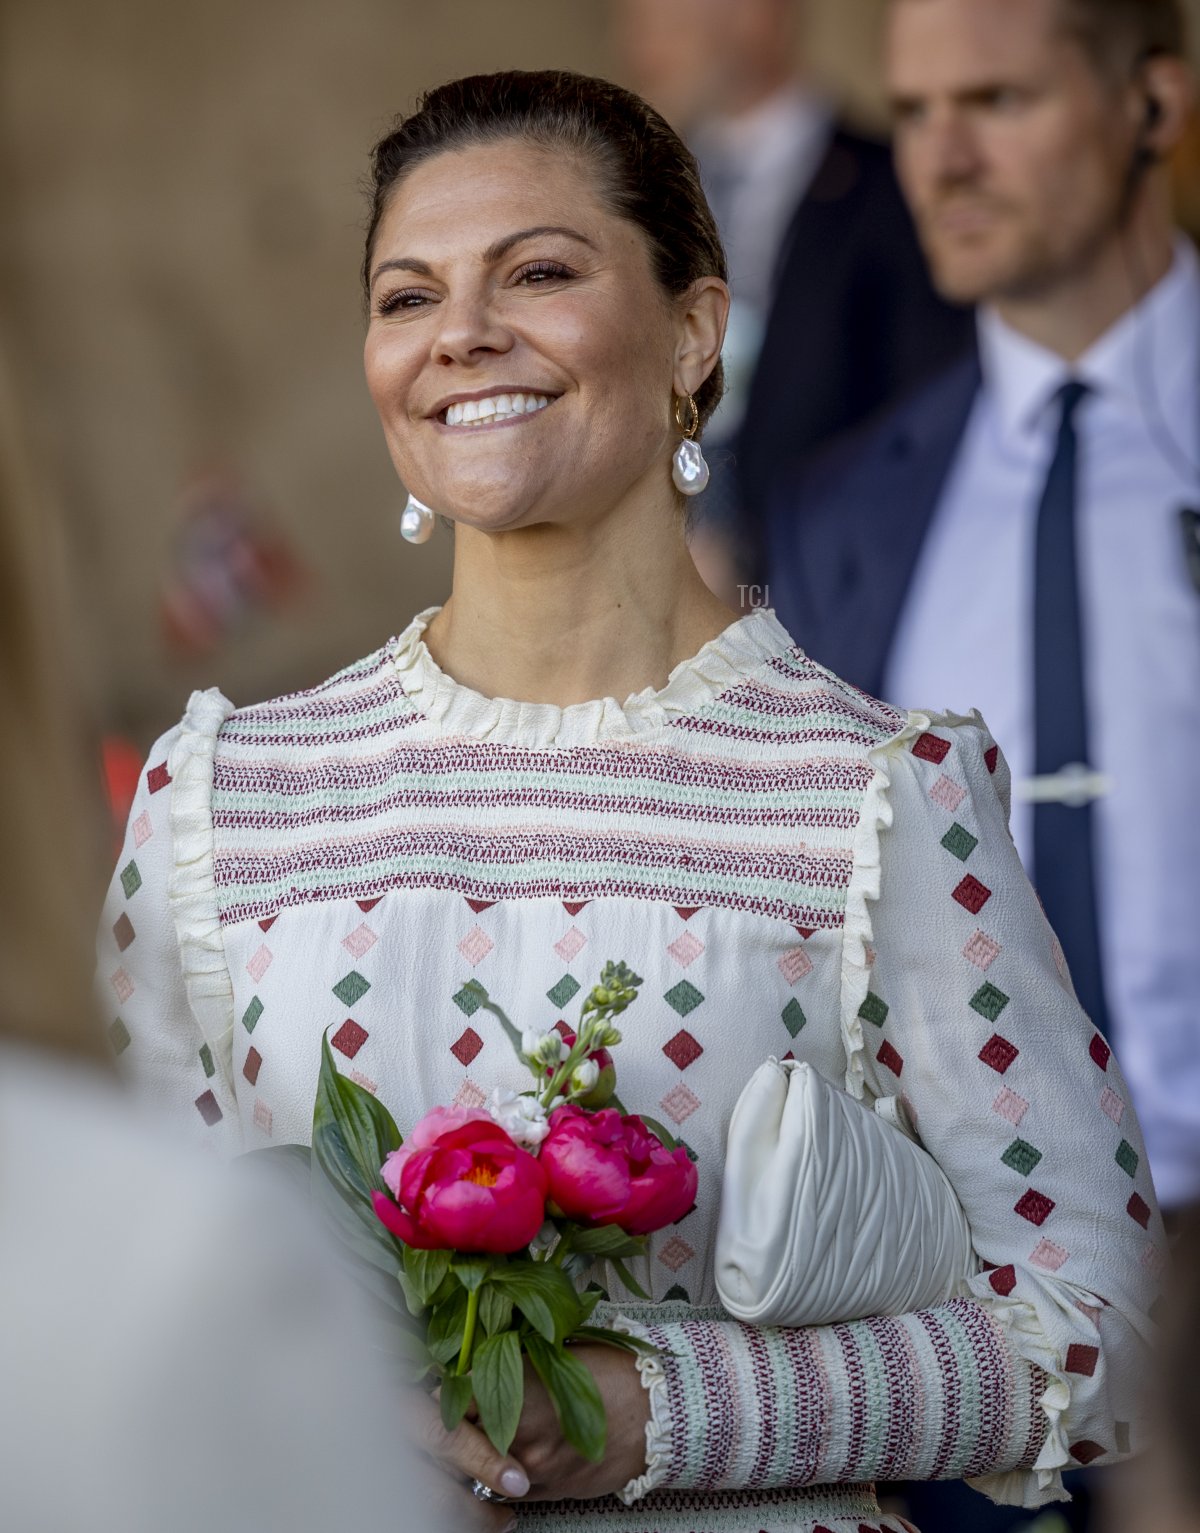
(953, 45)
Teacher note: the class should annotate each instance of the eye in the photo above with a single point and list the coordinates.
(538, 273)
(404, 298)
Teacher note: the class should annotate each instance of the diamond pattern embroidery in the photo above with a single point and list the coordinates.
(206, 1062)
(209, 1108)
(118, 1036)
(1100, 1051)
(679, 1103)
(260, 963)
(676, 1253)
(1003, 1280)
(1087, 1451)
(971, 894)
(361, 940)
(469, 1095)
(123, 931)
(685, 949)
(682, 1050)
(873, 1009)
(793, 1017)
(349, 1038)
(351, 988)
(998, 1053)
(1111, 1104)
(683, 997)
(569, 945)
(566, 989)
(989, 1002)
(931, 747)
(122, 986)
(251, 1014)
(795, 964)
(947, 793)
(1138, 1209)
(959, 841)
(142, 829)
(1082, 1359)
(364, 1081)
(1127, 1158)
(131, 879)
(1009, 1105)
(467, 1047)
(467, 1000)
(158, 777)
(1034, 1206)
(1048, 1256)
(252, 1066)
(890, 1058)
(1021, 1156)
(981, 951)
(263, 1116)
(476, 945)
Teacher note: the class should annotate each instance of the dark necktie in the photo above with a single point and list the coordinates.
(1063, 849)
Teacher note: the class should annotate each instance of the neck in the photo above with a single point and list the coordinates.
(564, 613)
(1069, 315)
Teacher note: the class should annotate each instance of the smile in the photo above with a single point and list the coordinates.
(494, 410)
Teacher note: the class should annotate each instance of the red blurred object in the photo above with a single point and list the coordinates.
(121, 765)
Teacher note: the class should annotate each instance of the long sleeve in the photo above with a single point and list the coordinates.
(163, 983)
(956, 1002)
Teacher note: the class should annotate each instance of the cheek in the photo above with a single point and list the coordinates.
(389, 367)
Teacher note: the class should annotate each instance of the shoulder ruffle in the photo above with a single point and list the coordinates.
(192, 888)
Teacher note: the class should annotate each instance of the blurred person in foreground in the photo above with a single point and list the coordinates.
(135, 1285)
(832, 313)
(1023, 534)
(584, 754)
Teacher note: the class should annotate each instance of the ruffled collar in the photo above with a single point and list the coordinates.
(723, 662)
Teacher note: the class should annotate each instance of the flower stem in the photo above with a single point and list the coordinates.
(464, 1356)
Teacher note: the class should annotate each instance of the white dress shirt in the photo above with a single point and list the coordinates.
(965, 639)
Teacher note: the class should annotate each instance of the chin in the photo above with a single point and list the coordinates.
(968, 276)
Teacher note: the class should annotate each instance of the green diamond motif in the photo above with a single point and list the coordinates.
(677, 1294)
(683, 997)
(874, 1009)
(959, 841)
(564, 991)
(793, 1017)
(118, 1035)
(989, 1002)
(131, 879)
(206, 1060)
(352, 988)
(467, 999)
(1021, 1156)
(1127, 1157)
(251, 1014)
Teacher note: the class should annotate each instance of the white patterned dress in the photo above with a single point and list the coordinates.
(795, 869)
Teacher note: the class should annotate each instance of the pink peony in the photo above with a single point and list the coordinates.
(603, 1168)
(438, 1121)
(469, 1188)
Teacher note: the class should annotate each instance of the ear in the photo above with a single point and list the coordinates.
(703, 312)
(1168, 100)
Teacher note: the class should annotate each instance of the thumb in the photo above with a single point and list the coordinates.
(468, 1452)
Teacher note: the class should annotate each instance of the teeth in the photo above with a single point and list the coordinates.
(472, 412)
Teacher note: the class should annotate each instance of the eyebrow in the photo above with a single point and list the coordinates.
(494, 252)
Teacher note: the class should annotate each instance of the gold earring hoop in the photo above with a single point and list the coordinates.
(692, 425)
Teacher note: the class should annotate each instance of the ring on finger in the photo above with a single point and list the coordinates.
(483, 1492)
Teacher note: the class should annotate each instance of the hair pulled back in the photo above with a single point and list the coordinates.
(645, 172)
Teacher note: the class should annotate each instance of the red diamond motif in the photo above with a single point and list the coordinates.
(123, 932)
(561, 1028)
(675, 1253)
(158, 777)
(806, 931)
(209, 1108)
(991, 756)
(686, 912)
(573, 907)
(1081, 1359)
(1087, 1450)
(478, 905)
(266, 925)
(683, 1049)
(972, 895)
(890, 1058)
(349, 1038)
(998, 1053)
(252, 1066)
(467, 1046)
(1034, 1206)
(365, 905)
(1004, 1280)
(1099, 1050)
(1138, 1209)
(931, 747)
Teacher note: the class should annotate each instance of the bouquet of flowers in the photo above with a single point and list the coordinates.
(484, 1222)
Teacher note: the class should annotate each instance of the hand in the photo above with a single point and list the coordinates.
(465, 1455)
(556, 1470)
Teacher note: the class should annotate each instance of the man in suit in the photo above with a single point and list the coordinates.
(1016, 536)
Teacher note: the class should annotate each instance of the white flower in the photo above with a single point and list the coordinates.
(541, 1048)
(523, 1118)
(584, 1076)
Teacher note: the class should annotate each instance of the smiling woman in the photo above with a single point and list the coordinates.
(777, 853)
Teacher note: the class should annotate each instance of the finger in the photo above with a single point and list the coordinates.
(470, 1453)
(455, 1507)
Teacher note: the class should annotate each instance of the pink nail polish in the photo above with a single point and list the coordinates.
(514, 1483)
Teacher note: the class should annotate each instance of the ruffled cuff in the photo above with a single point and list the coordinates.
(192, 887)
(658, 1428)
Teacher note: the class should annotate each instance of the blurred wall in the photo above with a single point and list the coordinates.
(179, 253)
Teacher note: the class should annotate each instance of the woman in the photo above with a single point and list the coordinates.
(792, 866)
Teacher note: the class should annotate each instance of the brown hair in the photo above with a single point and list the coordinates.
(647, 174)
(1120, 34)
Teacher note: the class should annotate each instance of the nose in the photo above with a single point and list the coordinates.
(469, 329)
(952, 150)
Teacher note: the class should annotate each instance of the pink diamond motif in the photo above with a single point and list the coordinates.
(364, 1081)
(1111, 1104)
(795, 964)
(1011, 1106)
(685, 949)
(468, 1045)
(947, 793)
(469, 1095)
(122, 985)
(676, 1253)
(869, 955)
(263, 1116)
(682, 1050)
(679, 1103)
(981, 951)
(1153, 1260)
(1048, 1256)
(361, 940)
(142, 828)
(476, 945)
(1056, 952)
(260, 963)
(567, 947)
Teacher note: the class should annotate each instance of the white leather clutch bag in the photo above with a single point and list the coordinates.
(829, 1210)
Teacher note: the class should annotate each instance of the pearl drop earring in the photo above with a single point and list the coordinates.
(416, 521)
(688, 468)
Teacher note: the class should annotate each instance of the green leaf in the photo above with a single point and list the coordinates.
(609, 1338)
(607, 1240)
(628, 1278)
(353, 1132)
(413, 1300)
(495, 1309)
(655, 1127)
(425, 1270)
(577, 1401)
(588, 1300)
(455, 1397)
(499, 1387)
(543, 1294)
(471, 1273)
(445, 1335)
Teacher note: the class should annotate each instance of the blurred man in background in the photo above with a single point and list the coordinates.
(833, 312)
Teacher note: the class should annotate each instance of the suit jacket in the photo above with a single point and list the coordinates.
(847, 527)
(854, 323)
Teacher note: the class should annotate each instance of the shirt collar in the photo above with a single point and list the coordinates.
(1161, 333)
